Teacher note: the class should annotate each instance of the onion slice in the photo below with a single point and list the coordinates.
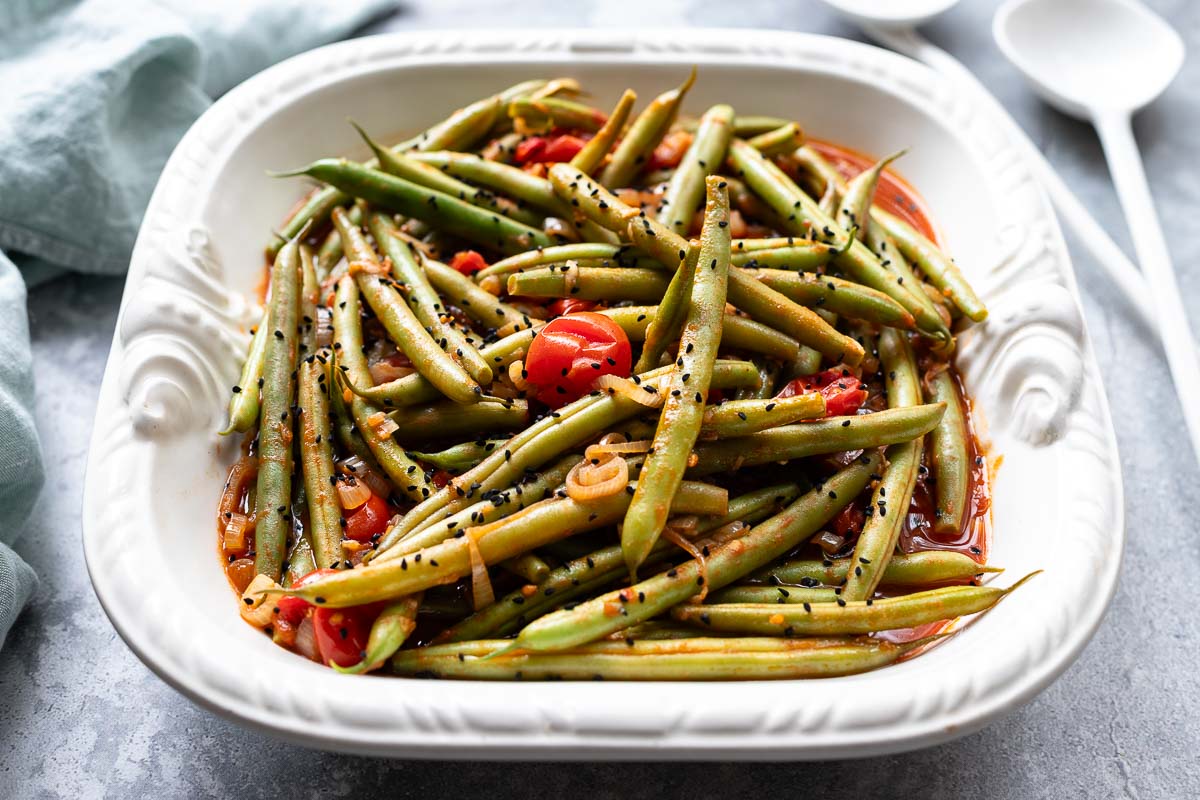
(351, 493)
(674, 537)
(587, 481)
(647, 394)
(481, 584)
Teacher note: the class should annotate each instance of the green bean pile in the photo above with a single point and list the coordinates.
(735, 492)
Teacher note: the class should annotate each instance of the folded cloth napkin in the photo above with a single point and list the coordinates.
(94, 94)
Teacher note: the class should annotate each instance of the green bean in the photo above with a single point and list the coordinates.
(299, 562)
(330, 251)
(829, 435)
(665, 660)
(804, 217)
(597, 569)
(526, 491)
(725, 564)
(879, 535)
(778, 141)
(737, 333)
(619, 254)
(754, 125)
(759, 301)
(316, 458)
(768, 373)
(666, 326)
(800, 257)
(523, 186)
(536, 525)
(828, 180)
(422, 174)
(763, 595)
(687, 393)
(913, 569)
(461, 456)
(348, 345)
(413, 389)
(447, 420)
(459, 131)
(476, 302)
(858, 197)
(344, 428)
(424, 300)
(243, 404)
(447, 213)
(273, 495)
(401, 324)
(948, 451)
(590, 283)
(543, 114)
(808, 362)
(735, 418)
(846, 617)
(310, 291)
(839, 296)
(684, 194)
(644, 134)
(938, 269)
(593, 153)
(528, 566)
(389, 631)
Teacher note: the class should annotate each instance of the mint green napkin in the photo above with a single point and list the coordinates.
(94, 94)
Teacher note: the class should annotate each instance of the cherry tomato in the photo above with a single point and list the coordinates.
(571, 352)
(341, 633)
(551, 149)
(569, 305)
(468, 262)
(368, 519)
(849, 521)
(843, 393)
(669, 152)
(293, 609)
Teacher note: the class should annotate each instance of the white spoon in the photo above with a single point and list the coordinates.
(892, 23)
(1103, 60)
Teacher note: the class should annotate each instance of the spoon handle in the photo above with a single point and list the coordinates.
(1090, 234)
(1125, 164)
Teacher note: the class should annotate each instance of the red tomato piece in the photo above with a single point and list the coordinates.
(849, 521)
(548, 149)
(341, 633)
(529, 149)
(669, 152)
(843, 393)
(368, 519)
(571, 352)
(468, 262)
(293, 609)
(569, 305)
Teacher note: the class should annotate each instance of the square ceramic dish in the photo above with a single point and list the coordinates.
(157, 465)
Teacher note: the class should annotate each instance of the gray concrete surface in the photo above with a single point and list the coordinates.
(80, 716)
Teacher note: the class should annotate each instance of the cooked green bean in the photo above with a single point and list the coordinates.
(665, 660)
(644, 134)
(423, 423)
(737, 333)
(478, 304)
(948, 453)
(890, 500)
(779, 141)
(755, 125)
(725, 564)
(846, 617)
(912, 569)
(938, 269)
(528, 566)
(524, 187)
(299, 562)
(837, 295)
(684, 194)
(391, 628)
(666, 326)
(855, 208)
(763, 595)
(590, 283)
(316, 458)
(273, 496)
(594, 152)
(460, 456)
(243, 404)
(829, 435)
(735, 418)
(688, 385)
(799, 257)
(542, 114)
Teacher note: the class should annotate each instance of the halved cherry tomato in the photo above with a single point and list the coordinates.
(368, 519)
(551, 149)
(341, 633)
(293, 609)
(843, 393)
(468, 262)
(569, 305)
(571, 352)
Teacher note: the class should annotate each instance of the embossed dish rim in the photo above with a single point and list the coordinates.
(1030, 369)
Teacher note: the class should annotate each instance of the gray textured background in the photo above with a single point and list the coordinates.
(81, 717)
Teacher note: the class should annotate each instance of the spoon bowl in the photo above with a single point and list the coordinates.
(894, 13)
(1085, 55)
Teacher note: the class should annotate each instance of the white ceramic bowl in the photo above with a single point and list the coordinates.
(156, 463)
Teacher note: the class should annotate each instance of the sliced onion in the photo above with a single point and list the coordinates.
(627, 388)
(587, 481)
(324, 330)
(602, 449)
(383, 372)
(481, 584)
(369, 267)
(830, 542)
(255, 608)
(306, 641)
(554, 226)
(358, 468)
(492, 285)
(725, 533)
(684, 525)
(234, 538)
(241, 473)
(695, 552)
(383, 425)
(570, 275)
(516, 374)
(352, 493)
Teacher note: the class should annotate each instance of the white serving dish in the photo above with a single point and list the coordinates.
(156, 464)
